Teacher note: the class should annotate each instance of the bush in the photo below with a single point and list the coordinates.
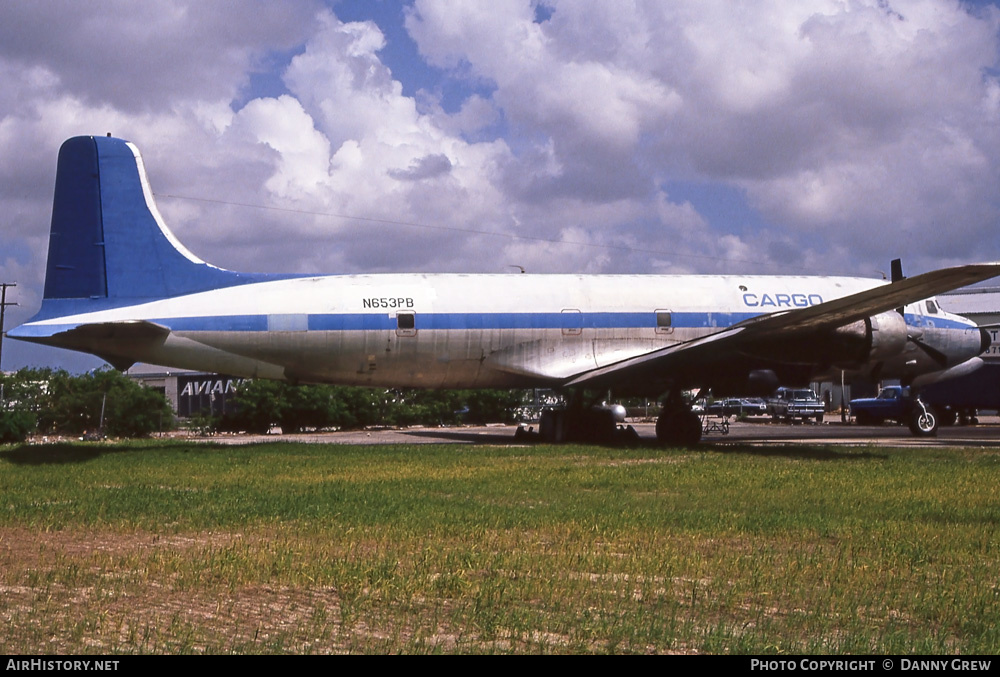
(262, 404)
(74, 405)
(15, 426)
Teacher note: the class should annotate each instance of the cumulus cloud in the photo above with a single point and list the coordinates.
(837, 119)
(146, 56)
(426, 167)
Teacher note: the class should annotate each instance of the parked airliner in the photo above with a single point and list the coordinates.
(121, 286)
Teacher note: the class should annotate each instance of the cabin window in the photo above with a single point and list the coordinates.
(406, 324)
(664, 322)
(932, 308)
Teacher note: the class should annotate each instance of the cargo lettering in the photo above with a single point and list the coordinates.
(781, 300)
(387, 302)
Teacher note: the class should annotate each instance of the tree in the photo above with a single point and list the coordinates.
(258, 406)
(22, 395)
(25, 390)
(309, 406)
(15, 426)
(262, 404)
(493, 406)
(103, 399)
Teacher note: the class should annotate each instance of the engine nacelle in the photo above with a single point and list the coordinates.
(875, 338)
(617, 412)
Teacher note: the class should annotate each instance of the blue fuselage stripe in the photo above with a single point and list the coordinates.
(427, 321)
(455, 321)
(596, 320)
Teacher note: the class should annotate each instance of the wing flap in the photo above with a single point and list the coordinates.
(662, 360)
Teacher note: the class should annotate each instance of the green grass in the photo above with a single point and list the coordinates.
(183, 548)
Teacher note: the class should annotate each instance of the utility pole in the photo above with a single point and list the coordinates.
(3, 308)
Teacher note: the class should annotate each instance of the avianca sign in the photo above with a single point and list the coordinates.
(211, 386)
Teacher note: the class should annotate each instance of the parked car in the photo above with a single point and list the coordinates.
(727, 407)
(896, 403)
(788, 404)
(755, 406)
(734, 406)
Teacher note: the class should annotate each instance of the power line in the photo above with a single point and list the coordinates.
(3, 308)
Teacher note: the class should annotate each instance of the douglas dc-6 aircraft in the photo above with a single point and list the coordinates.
(119, 285)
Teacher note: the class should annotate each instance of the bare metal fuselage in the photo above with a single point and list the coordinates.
(467, 331)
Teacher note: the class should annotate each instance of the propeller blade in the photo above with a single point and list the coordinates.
(896, 273)
(934, 353)
(896, 270)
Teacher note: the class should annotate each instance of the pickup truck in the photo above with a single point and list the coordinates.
(896, 403)
(788, 404)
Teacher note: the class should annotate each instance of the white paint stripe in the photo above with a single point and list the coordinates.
(147, 193)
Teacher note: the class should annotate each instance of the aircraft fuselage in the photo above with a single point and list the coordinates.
(469, 331)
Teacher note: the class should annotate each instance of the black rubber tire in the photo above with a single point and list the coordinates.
(923, 422)
(863, 418)
(678, 429)
(947, 417)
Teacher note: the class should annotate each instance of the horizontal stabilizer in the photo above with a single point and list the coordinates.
(111, 341)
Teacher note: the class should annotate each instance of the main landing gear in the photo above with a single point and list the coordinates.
(598, 424)
(677, 425)
(581, 421)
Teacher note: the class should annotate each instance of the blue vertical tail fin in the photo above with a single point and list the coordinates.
(108, 240)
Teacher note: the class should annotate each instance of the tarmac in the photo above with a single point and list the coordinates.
(985, 434)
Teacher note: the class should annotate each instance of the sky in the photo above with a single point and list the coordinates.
(816, 137)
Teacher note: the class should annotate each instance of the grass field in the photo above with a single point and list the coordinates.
(283, 548)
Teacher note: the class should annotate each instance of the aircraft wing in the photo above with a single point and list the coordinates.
(785, 324)
(847, 309)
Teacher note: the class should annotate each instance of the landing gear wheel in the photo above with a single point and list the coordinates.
(588, 426)
(678, 428)
(923, 422)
